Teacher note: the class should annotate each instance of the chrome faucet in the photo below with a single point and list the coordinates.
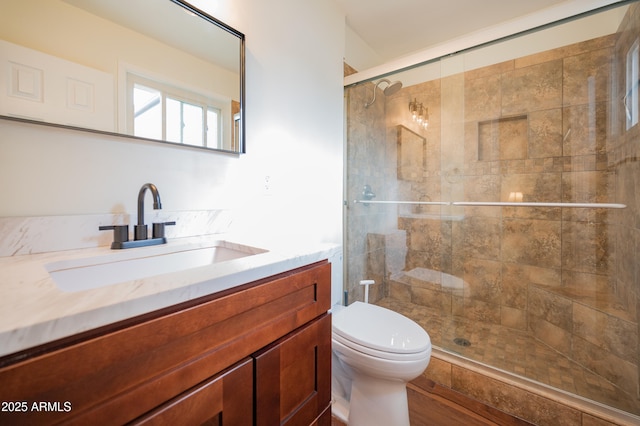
(140, 235)
(140, 230)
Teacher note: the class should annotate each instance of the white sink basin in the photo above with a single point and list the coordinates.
(122, 266)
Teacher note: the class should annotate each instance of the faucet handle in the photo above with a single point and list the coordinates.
(140, 232)
(120, 232)
(158, 228)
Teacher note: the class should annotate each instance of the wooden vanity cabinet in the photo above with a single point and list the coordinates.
(292, 387)
(256, 354)
(227, 399)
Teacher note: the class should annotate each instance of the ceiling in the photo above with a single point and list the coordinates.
(394, 28)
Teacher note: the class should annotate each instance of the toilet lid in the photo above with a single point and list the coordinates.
(379, 328)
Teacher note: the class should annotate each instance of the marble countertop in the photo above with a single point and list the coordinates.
(34, 310)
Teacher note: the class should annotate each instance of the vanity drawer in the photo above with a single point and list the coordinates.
(227, 396)
(130, 370)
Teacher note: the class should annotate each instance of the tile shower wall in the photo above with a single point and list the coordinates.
(547, 127)
(622, 330)
(366, 164)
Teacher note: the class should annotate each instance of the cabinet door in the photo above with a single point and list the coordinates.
(293, 377)
(224, 400)
(120, 372)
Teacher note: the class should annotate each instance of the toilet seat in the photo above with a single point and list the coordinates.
(381, 355)
(380, 332)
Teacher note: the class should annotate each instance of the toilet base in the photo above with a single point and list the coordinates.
(340, 409)
(374, 402)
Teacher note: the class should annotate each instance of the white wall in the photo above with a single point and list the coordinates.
(357, 53)
(294, 135)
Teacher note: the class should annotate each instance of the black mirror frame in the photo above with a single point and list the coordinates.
(241, 37)
(242, 125)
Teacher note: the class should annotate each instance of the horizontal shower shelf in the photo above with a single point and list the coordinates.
(428, 203)
(500, 204)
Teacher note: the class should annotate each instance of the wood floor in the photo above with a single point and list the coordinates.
(439, 407)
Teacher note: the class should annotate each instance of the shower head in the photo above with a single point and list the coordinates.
(392, 87)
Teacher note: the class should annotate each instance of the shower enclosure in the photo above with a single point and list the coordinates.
(509, 226)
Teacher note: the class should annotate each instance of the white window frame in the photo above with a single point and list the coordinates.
(185, 96)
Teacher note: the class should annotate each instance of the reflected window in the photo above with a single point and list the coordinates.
(147, 104)
(168, 113)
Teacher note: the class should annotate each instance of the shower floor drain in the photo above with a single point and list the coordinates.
(461, 341)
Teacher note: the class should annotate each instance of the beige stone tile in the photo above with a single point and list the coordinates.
(532, 242)
(395, 244)
(616, 370)
(376, 255)
(539, 58)
(588, 187)
(482, 188)
(589, 420)
(534, 187)
(489, 71)
(488, 148)
(624, 303)
(482, 98)
(545, 133)
(503, 139)
(513, 318)
(400, 291)
(586, 77)
(514, 166)
(601, 292)
(516, 351)
(513, 138)
(585, 129)
(514, 287)
(607, 332)
(539, 213)
(552, 335)
(534, 88)
(536, 409)
(483, 280)
(457, 306)
(476, 310)
(439, 371)
(426, 235)
(564, 51)
(376, 292)
(431, 298)
(452, 103)
(586, 247)
(471, 144)
(423, 278)
(550, 307)
(479, 237)
(433, 162)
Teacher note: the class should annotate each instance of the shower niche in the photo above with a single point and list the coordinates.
(503, 139)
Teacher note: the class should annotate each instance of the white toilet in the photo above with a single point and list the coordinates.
(375, 353)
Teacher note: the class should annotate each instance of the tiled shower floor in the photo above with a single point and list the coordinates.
(514, 351)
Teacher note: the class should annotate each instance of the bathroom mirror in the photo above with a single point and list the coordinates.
(161, 70)
(412, 155)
